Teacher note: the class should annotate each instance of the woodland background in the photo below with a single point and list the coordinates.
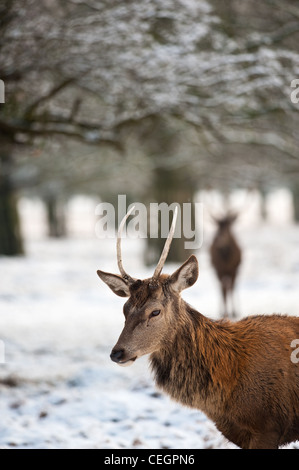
(161, 101)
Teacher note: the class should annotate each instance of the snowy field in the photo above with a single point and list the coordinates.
(58, 322)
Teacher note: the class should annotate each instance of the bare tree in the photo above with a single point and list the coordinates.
(98, 73)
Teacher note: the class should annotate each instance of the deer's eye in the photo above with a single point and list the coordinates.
(155, 313)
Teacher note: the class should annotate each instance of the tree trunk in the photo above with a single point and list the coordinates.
(55, 217)
(171, 187)
(295, 191)
(11, 243)
(263, 207)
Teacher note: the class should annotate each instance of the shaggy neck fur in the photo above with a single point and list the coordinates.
(195, 366)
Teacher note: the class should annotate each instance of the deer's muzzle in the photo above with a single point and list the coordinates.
(120, 357)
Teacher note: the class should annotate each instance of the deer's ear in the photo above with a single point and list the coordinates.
(233, 217)
(185, 276)
(116, 283)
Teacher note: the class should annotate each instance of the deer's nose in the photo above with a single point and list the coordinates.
(116, 355)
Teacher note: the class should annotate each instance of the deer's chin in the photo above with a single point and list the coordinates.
(127, 363)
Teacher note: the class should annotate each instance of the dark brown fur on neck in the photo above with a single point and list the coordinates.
(209, 365)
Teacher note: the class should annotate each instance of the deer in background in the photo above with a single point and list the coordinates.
(240, 374)
(226, 258)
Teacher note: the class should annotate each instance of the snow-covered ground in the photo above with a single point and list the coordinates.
(58, 322)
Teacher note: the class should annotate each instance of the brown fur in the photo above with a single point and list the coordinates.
(226, 258)
(239, 373)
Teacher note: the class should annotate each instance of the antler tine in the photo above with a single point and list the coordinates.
(123, 273)
(247, 200)
(213, 213)
(166, 248)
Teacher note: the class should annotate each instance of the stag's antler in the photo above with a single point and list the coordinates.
(166, 248)
(123, 273)
(161, 262)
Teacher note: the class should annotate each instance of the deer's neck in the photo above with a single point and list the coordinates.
(198, 365)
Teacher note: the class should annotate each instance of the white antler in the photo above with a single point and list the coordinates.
(125, 276)
(166, 248)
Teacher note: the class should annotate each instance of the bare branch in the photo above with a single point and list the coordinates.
(33, 106)
(274, 38)
(286, 7)
(93, 136)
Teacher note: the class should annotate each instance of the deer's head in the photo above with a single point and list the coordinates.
(226, 221)
(153, 305)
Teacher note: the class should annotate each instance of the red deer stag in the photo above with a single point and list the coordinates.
(226, 258)
(240, 374)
